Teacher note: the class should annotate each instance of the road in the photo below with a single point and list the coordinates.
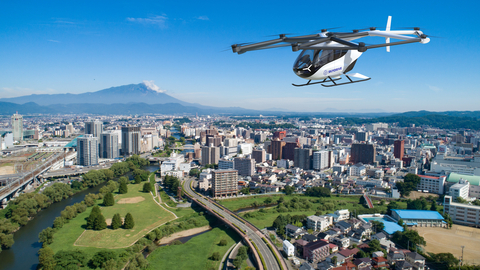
(254, 235)
(75, 171)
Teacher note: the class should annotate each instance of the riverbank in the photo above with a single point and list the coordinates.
(167, 240)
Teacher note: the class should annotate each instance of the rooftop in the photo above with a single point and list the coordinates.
(417, 214)
(455, 178)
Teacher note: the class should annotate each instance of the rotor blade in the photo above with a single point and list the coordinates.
(414, 40)
(237, 48)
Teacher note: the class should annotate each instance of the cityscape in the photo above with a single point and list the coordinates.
(319, 194)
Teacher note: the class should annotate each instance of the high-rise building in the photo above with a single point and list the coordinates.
(108, 145)
(224, 183)
(70, 128)
(363, 153)
(131, 141)
(213, 140)
(95, 128)
(258, 155)
(210, 155)
(362, 136)
(276, 149)
(17, 127)
(303, 158)
(398, 148)
(289, 150)
(244, 166)
(279, 135)
(87, 150)
(320, 160)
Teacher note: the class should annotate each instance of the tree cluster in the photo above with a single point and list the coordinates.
(242, 255)
(318, 192)
(410, 183)
(95, 177)
(281, 221)
(96, 221)
(288, 190)
(408, 237)
(172, 182)
(110, 187)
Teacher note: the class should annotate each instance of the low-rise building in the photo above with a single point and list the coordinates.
(461, 213)
(288, 248)
(319, 223)
(432, 184)
(316, 251)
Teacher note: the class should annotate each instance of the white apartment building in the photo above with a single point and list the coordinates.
(340, 215)
(357, 170)
(432, 184)
(171, 164)
(461, 213)
(245, 148)
(460, 189)
(288, 248)
(319, 223)
(320, 160)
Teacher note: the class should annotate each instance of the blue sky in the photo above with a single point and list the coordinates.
(84, 46)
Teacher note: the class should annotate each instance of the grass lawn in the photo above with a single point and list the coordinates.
(147, 215)
(267, 219)
(193, 254)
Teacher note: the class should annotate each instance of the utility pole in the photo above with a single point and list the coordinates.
(462, 255)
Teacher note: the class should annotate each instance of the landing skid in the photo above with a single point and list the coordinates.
(329, 79)
(338, 84)
(309, 82)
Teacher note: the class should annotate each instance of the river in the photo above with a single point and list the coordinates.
(24, 253)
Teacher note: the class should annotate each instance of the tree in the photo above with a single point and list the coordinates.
(102, 257)
(289, 190)
(400, 222)
(58, 222)
(215, 256)
(222, 242)
(46, 259)
(129, 223)
(46, 236)
(70, 259)
(123, 188)
(99, 223)
(92, 217)
(434, 206)
(116, 221)
(379, 226)
(245, 190)
(147, 187)
(108, 200)
(334, 260)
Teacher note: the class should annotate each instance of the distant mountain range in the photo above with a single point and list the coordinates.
(146, 98)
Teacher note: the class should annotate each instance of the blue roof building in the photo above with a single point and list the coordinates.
(422, 218)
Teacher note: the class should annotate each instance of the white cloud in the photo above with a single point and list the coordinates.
(53, 40)
(203, 18)
(151, 85)
(434, 88)
(159, 20)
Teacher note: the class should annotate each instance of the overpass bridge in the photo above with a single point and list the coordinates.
(265, 252)
(14, 185)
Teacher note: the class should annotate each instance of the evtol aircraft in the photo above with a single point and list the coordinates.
(327, 56)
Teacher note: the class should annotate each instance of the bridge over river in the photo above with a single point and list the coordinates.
(266, 254)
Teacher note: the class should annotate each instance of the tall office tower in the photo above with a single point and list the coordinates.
(398, 149)
(17, 127)
(87, 150)
(289, 150)
(361, 136)
(109, 145)
(260, 137)
(70, 128)
(210, 155)
(303, 158)
(95, 128)
(276, 149)
(213, 140)
(246, 134)
(364, 153)
(279, 135)
(224, 183)
(321, 160)
(258, 155)
(131, 141)
(230, 142)
(244, 166)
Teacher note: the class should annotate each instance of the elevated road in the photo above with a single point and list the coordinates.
(248, 231)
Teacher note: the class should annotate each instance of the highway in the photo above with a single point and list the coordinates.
(253, 233)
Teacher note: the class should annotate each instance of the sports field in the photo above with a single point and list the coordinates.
(441, 240)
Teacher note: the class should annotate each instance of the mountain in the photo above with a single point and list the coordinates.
(132, 93)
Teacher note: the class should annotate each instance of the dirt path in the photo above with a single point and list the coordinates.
(193, 231)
